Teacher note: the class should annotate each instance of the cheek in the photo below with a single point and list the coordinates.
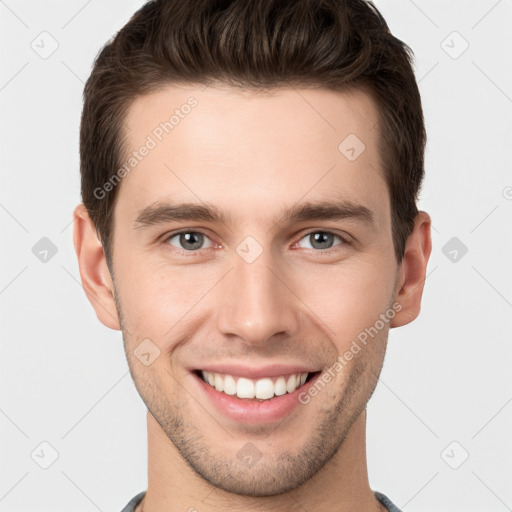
(162, 304)
(348, 297)
(151, 302)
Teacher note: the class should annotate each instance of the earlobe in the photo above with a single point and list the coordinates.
(413, 271)
(94, 272)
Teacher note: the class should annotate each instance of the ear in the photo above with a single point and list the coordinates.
(96, 279)
(412, 271)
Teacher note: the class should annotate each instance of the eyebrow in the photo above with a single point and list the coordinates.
(161, 213)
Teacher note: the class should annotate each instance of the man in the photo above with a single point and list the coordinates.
(250, 172)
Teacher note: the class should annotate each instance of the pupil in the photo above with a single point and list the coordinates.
(191, 240)
(321, 238)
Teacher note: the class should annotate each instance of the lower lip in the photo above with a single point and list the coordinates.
(254, 411)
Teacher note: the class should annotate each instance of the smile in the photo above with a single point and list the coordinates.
(253, 395)
(261, 389)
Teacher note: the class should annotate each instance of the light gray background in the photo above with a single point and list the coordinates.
(63, 376)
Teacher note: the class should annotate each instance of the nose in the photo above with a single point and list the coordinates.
(256, 304)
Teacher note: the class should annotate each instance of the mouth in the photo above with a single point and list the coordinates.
(258, 390)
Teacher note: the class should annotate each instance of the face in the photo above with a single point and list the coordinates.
(252, 251)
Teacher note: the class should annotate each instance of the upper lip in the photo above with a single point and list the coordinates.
(252, 372)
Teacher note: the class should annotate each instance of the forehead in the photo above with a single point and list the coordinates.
(250, 151)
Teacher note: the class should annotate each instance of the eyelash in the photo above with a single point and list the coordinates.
(344, 241)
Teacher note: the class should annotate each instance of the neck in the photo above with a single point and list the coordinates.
(341, 485)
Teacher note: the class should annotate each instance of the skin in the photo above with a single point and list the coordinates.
(299, 302)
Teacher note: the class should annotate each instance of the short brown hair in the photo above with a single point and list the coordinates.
(331, 44)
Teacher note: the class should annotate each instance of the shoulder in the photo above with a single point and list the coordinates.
(132, 504)
(390, 506)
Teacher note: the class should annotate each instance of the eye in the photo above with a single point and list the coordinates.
(321, 240)
(189, 240)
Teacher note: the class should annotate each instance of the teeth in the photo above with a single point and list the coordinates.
(229, 385)
(219, 382)
(291, 385)
(244, 388)
(280, 386)
(262, 389)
